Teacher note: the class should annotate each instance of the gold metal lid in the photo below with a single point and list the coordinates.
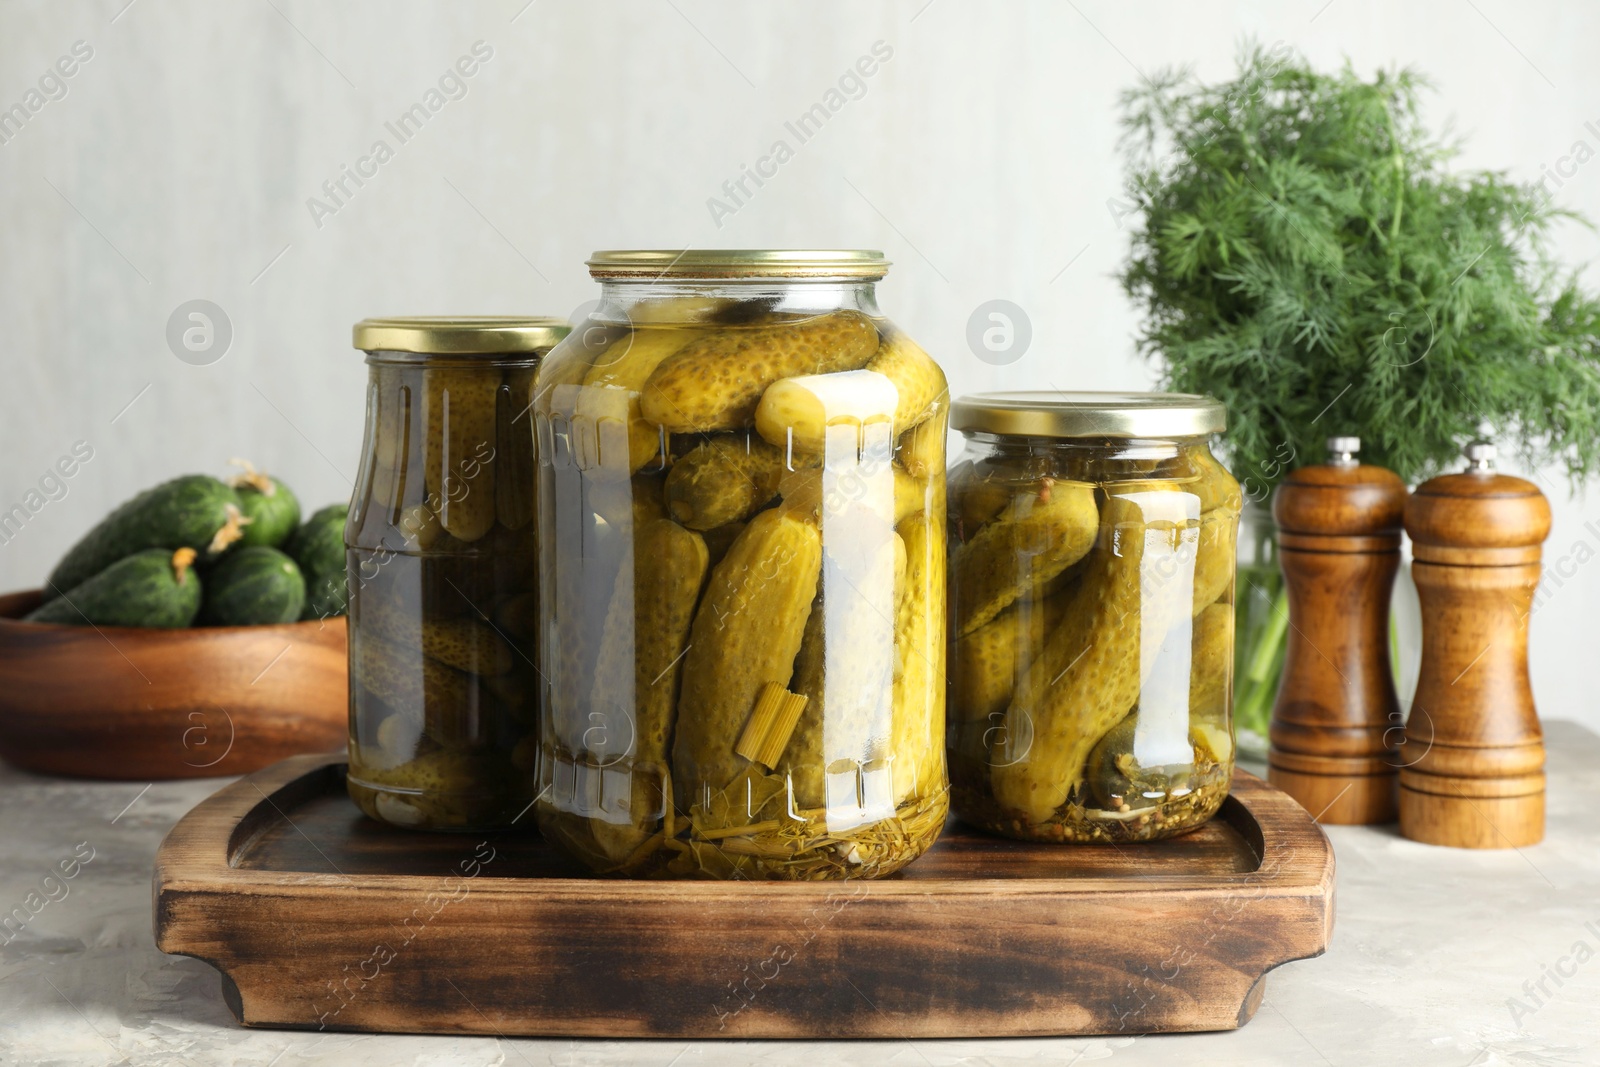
(460, 334)
(734, 263)
(1059, 414)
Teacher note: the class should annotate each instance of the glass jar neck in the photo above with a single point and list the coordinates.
(687, 299)
(1118, 447)
(382, 357)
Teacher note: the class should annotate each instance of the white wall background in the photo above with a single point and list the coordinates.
(981, 158)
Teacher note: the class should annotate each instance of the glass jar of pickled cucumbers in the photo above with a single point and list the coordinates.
(741, 514)
(1091, 584)
(443, 573)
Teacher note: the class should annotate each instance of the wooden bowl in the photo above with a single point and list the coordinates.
(146, 704)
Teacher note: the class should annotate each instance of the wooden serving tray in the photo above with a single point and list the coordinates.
(320, 918)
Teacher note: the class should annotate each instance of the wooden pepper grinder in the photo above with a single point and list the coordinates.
(1474, 774)
(1336, 722)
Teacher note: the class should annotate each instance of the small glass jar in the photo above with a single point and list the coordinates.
(1092, 557)
(443, 573)
(741, 481)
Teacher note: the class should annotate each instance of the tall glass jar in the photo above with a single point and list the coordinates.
(741, 485)
(1091, 582)
(443, 573)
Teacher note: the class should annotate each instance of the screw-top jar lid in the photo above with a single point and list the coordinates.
(1051, 413)
(460, 334)
(730, 263)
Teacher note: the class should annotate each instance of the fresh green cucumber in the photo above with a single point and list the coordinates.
(326, 597)
(254, 586)
(318, 546)
(271, 511)
(194, 511)
(155, 587)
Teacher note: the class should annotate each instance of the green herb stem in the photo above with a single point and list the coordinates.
(1269, 640)
(1269, 278)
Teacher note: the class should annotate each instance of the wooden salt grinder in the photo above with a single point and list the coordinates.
(1474, 773)
(1336, 721)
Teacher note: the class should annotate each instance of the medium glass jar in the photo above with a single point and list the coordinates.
(741, 485)
(1091, 584)
(443, 573)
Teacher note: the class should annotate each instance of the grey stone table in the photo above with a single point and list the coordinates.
(1439, 956)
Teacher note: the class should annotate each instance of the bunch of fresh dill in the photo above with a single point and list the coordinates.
(1303, 253)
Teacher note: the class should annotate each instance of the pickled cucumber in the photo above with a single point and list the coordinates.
(1211, 665)
(642, 646)
(1215, 487)
(725, 479)
(1215, 555)
(716, 382)
(410, 684)
(900, 383)
(419, 527)
(802, 490)
(803, 760)
(920, 450)
(1118, 781)
(465, 643)
(396, 742)
(597, 538)
(386, 486)
(918, 380)
(618, 836)
(1041, 533)
(917, 740)
(648, 499)
(671, 310)
(612, 384)
(989, 660)
(746, 633)
(976, 501)
(1089, 674)
(442, 789)
(817, 414)
(1220, 503)
(460, 452)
